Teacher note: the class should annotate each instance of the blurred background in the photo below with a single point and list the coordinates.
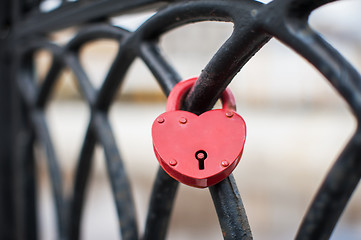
(297, 126)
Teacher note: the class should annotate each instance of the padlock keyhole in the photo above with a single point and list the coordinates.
(201, 156)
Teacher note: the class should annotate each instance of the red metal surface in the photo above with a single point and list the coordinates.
(202, 150)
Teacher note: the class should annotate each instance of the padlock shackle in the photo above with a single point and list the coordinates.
(176, 96)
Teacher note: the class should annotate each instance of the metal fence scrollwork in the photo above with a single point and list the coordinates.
(24, 32)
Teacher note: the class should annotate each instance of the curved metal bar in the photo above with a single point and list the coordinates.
(49, 82)
(86, 87)
(34, 44)
(334, 193)
(299, 36)
(164, 73)
(42, 133)
(301, 8)
(116, 74)
(180, 14)
(99, 31)
(80, 185)
(117, 176)
(46, 87)
(244, 42)
(95, 32)
(344, 176)
(38, 95)
(25, 81)
(25, 182)
(160, 206)
(230, 210)
(80, 12)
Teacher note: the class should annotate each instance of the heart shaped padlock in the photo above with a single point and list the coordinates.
(202, 150)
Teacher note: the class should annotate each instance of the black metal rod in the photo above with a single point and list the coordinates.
(42, 133)
(95, 32)
(47, 86)
(23, 154)
(31, 188)
(118, 177)
(164, 73)
(25, 183)
(334, 194)
(7, 131)
(80, 185)
(338, 71)
(160, 206)
(244, 42)
(116, 74)
(342, 179)
(25, 81)
(230, 210)
(86, 87)
(79, 13)
(99, 31)
(302, 8)
(33, 94)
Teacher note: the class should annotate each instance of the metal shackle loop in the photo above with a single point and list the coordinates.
(177, 94)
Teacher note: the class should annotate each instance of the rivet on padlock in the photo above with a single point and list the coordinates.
(202, 150)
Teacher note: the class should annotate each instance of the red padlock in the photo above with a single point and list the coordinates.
(202, 150)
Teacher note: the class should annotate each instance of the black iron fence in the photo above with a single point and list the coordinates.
(24, 30)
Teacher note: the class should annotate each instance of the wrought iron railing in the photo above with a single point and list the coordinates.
(24, 30)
